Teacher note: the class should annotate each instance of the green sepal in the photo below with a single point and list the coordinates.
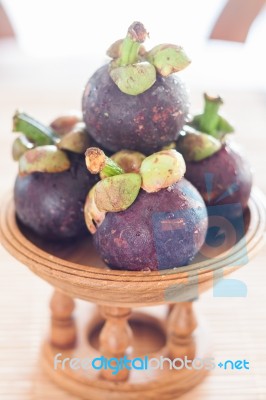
(66, 122)
(34, 131)
(168, 58)
(161, 170)
(47, 158)
(77, 140)
(111, 168)
(93, 217)
(20, 145)
(196, 146)
(118, 192)
(134, 79)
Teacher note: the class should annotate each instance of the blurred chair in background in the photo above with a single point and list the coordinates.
(6, 30)
(235, 20)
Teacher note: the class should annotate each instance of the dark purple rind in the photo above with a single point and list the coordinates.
(136, 240)
(145, 122)
(51, 205)
(227, 169)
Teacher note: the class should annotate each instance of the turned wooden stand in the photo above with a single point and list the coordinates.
(115, 328)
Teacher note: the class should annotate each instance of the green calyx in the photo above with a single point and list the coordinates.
(134, 70)
(77, 140)
(161, 170)
(113, 194)
(204, 135)
(134, 79)
(20, 145)
(65, 123)
(117, 191)
(93, 216)
(33, 130)
(196, 146)
(46, 158)
(210, 121)
(128, 160)
(67, 134)
(168, 58)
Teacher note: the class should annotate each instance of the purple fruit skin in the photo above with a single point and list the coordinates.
(145, 122)
(228, 168)
(51, 205)
(135, 239)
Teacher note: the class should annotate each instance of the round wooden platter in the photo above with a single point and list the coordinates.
(76, 269)
(149, 339)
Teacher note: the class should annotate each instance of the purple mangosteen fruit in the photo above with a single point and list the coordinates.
(53, 180)
(215, 165)
(136, 102)
(150, 219)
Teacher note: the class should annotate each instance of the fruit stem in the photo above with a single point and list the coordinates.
(97, 161)
(210, 121)
(210, 118)
(136, 35)
(34, 131)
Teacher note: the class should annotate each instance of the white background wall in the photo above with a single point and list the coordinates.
(68, 28)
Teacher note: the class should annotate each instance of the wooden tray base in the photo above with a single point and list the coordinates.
(149, 338)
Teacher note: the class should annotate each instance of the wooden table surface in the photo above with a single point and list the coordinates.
(237, 325)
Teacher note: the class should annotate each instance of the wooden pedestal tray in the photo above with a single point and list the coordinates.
(75, 271)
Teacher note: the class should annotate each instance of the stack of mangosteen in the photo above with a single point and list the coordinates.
(143, 187)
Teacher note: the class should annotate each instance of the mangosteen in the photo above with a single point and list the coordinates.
(215, 165)
(150, 219)
(136, 102)
(53, 180)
